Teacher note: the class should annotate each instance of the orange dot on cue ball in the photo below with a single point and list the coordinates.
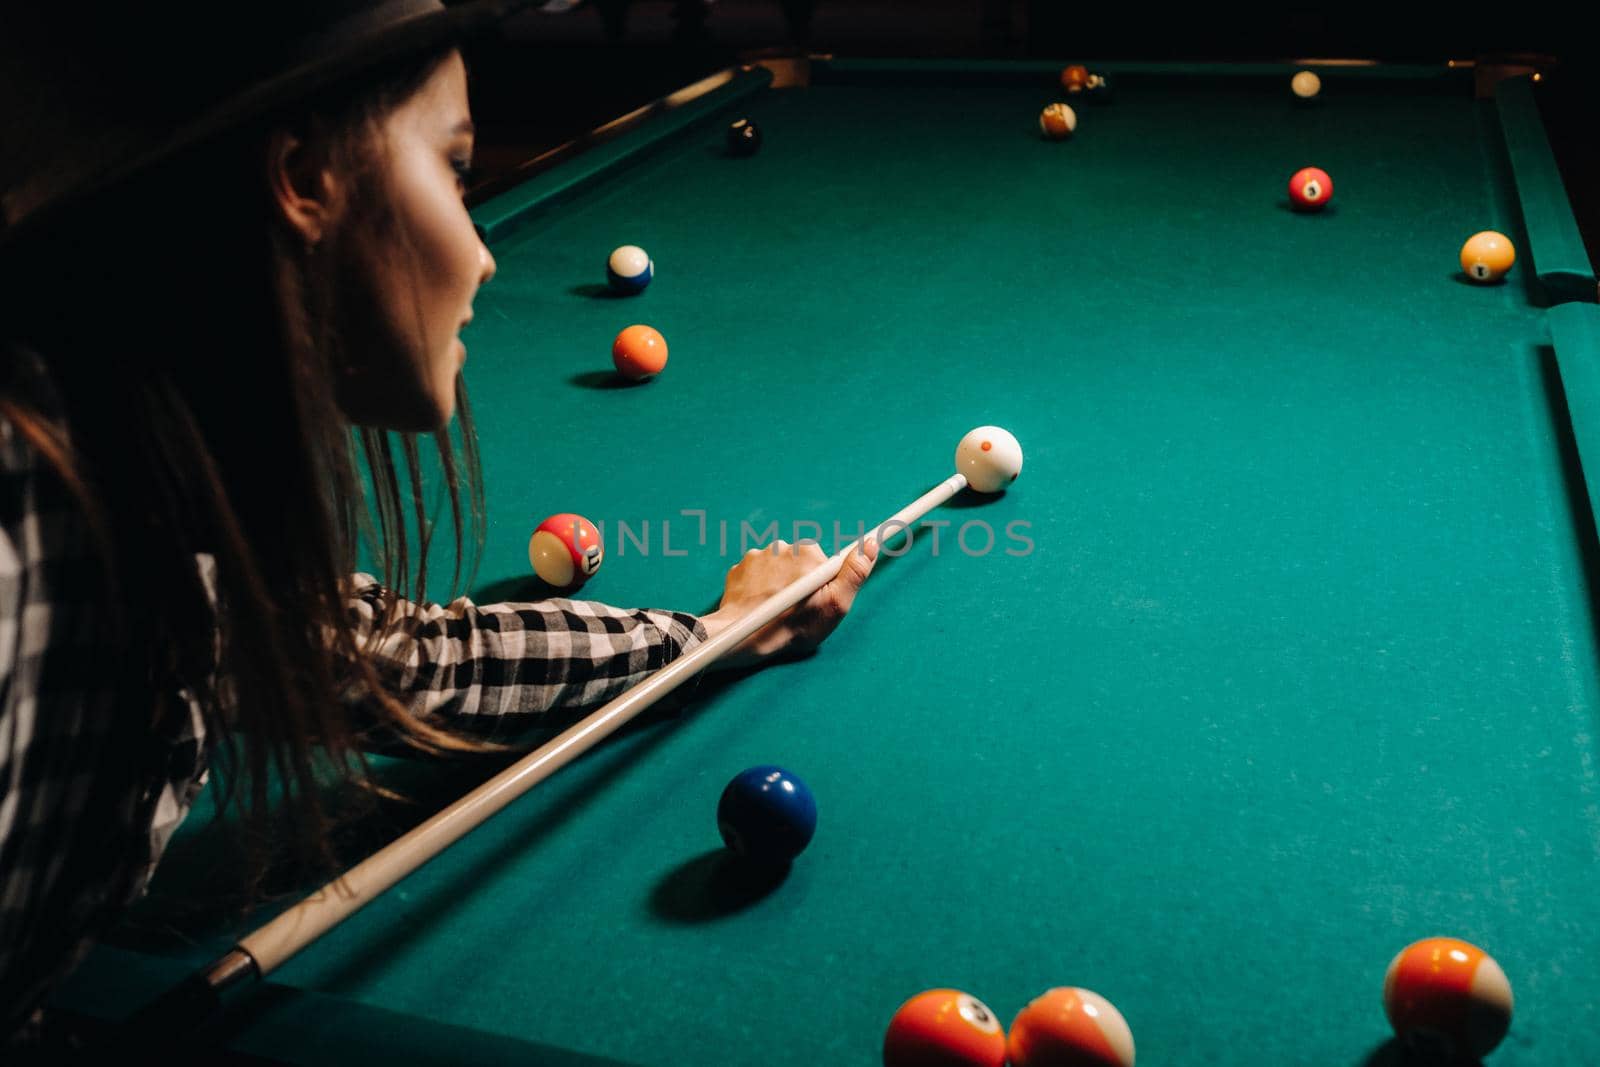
(1487, 256)
(639, 353)
(944, 1028)
(1448, 996)
(1070, 1027)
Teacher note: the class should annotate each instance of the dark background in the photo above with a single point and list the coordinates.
(555, 74)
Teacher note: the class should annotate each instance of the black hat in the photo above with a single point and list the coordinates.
(92, 92)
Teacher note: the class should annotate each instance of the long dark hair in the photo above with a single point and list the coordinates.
(194, 346)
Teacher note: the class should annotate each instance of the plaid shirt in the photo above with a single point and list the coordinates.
(86, 809)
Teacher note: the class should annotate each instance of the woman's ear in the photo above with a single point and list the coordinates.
(305, 193)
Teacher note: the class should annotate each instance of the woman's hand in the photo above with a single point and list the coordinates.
(764, 571)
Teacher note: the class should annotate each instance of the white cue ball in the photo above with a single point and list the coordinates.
(990, 458)
(1306, 85)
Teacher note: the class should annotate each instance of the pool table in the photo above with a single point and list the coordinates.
(1280, 654)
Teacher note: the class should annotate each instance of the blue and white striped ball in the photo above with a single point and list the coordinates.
(629, 269)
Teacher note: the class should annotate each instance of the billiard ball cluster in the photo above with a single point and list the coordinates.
(1442, 996)
(1486, 256)
(639, 352)
(1445, 998)
(565, 549)
(1059, 121)
(1062, 1027)
(1080, 81)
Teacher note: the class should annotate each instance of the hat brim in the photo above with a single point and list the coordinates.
(32, 203)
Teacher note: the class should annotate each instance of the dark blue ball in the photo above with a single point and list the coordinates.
(767, 814)
(744, 138)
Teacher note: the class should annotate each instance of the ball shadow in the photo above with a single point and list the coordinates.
(1460, 277)
(1326, 211)
(968, 499)
(598, 291)
(519, 589)
(1396, 1053)
(713, 886)
(539, 589)
(604, 379)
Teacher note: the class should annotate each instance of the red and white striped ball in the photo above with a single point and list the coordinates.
(565, 550)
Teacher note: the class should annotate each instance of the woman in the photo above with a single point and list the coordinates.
(215, 271)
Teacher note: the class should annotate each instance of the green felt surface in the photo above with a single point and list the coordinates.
(277, 1023)
(1300, 665)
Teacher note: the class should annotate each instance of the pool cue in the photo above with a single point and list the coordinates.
(262, 952)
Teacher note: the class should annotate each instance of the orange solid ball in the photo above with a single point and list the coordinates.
(1448, 995)
(639, 353)
(1487, 256)
(1075, 78)
(1070, 1027)
(944, 1028)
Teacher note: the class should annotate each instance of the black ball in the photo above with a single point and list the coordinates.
(744, 138)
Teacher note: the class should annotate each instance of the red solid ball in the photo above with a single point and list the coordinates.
(1310, 189)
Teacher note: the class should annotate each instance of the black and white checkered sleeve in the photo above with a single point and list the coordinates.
(467, 659)
(73, 832)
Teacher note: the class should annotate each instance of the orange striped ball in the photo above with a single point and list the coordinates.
(1057, 121)
(1449, 996)
(1070, 1027)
